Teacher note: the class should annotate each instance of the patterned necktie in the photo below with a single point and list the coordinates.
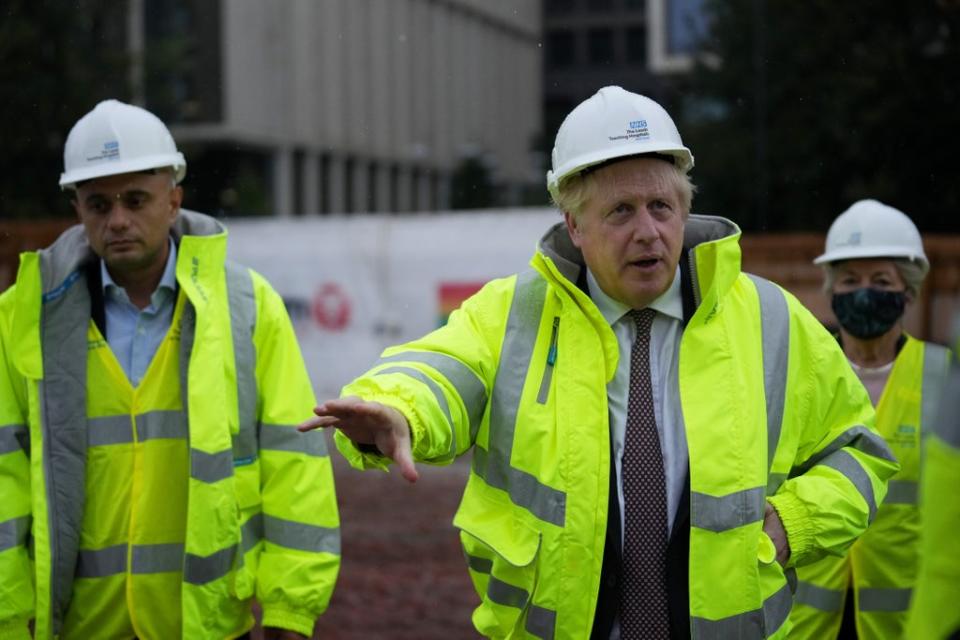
(643, 596)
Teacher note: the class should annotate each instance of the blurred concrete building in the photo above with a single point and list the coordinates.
(641, 45)
(316, 106)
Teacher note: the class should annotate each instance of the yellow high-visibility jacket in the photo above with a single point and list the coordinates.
(219, 404)
(934, 614)
(881, 567)
(519, 376)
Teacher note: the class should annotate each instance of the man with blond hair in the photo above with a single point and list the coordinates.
(640, 469)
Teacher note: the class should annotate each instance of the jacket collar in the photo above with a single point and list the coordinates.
(71, 251)
(46, 274)
(711, 243)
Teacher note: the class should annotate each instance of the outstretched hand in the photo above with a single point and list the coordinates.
(369, 423)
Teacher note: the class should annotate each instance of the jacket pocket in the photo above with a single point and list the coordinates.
(544, 392)
(501, 551)
(775, 588)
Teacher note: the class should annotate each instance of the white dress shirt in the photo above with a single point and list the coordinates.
(665, 383)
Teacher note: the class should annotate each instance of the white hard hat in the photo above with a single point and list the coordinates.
(613, 123)
(118, 138)
(871, 229)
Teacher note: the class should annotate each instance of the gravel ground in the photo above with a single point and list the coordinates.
(403, 575)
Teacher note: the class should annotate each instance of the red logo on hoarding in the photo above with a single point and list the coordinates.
(331, 307)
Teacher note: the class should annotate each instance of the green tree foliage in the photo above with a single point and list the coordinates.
(816, 104)
(57, 59)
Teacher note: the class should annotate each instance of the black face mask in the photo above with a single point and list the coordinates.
(868, 313)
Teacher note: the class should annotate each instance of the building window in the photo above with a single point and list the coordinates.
(636, 45)
(299, 159)
(395, 205)
(556, 7)
(349, 166)
(324, 179)
(372, 187)
(182, 66)
(415, 200)
(560, 49)
(686, 25)
(599, 5)
(600, 46)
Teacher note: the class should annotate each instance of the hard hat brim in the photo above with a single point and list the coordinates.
(116, 167)
(854, 253)
(682, 154)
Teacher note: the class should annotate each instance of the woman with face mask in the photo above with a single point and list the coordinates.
(874, 266)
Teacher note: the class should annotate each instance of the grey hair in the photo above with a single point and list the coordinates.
(574, 191)
(912, 273)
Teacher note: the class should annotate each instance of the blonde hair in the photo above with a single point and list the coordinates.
(912, 273)
(574, 191)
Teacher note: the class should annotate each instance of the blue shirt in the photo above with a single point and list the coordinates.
(133, 334)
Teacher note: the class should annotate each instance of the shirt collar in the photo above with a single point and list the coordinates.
(669, 303)
(167, 281)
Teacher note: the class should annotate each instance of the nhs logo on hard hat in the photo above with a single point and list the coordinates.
(110, 151)
(852, 241)
(638, 124)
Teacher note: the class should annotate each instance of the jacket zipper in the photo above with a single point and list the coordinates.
(551, 361)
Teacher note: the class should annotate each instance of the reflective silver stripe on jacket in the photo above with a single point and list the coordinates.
(759, 623)
(301, 536)
(14, 437)
(243, 318)
(441, 399)
(861, 439)
(493, 465)
(856, 437)
(285, 437)
(63, 419)
(97, 563)
(847, 465)
(901, 492)
(119, 429)
(481, 565)
(251, 532)
(211, 467)
(774, 480)
(14, 532)
(819, 597)
(883, 599)
(948, 420)
(144, 559)
(936, 368)
(727, 512)
(199, 570)
(775, 326)
(470, 388)
(541, 622)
